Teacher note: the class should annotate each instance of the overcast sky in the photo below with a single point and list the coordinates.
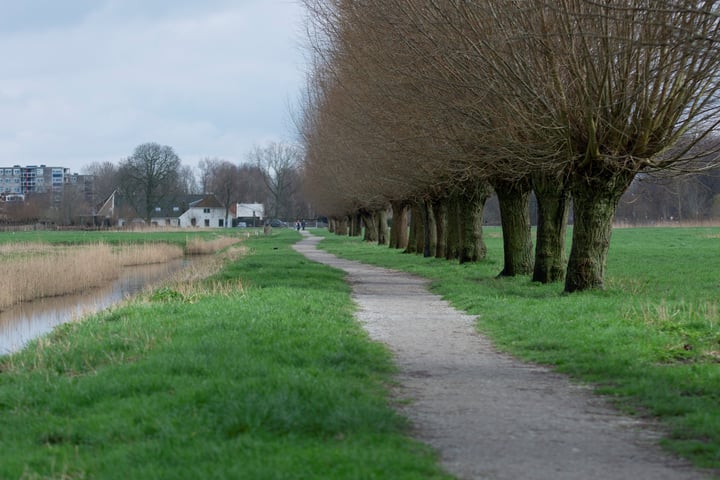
(86, 81)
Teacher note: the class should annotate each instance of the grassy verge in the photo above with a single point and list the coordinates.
(273, 380)
(118, 237)
(651, 340)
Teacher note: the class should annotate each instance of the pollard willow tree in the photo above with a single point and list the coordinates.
(634, 80)
(594, 93)
(355, 122)
(395, 146)
(580, 95)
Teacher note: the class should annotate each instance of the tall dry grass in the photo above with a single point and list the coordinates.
(148, 253)
(669, 223)
(196, 246)
(37, 270)
(188, 282)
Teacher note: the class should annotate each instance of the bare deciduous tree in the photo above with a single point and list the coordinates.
(148, 176)
(278, 163)
(105, 179)
(221, 178)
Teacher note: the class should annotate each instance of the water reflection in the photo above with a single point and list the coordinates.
(24, 322)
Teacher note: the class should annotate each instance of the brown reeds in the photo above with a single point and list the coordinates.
(148, 253)
(668, 223)
(188, 283)
(196, 246)
(36, 270)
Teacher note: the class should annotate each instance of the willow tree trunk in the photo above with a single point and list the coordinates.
(470, 205)
(439, 208)
(399, 229)
(355, 225)
(595, 200)
(416, 236)
(332, 225)
(370, 221)
(430, 230)
(464, 231)
(412, 242)
(553, 202)
(452, 238)
(342, 226)
(514, 200)
(382, 227)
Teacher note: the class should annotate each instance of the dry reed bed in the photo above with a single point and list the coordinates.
(196, 246)
(148, 253)
(37, 270)
(188, 283)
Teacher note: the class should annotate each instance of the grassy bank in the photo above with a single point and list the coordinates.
(259, 372)
(179, 237)
(650, 341)
(42, 264)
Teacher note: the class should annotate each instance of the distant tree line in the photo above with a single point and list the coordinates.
(432, 107)
(154, 173)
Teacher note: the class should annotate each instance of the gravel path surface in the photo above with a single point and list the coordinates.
(488, 415)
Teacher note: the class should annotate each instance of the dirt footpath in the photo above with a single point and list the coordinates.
(489, 415)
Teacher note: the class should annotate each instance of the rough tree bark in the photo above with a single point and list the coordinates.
(465, 232)
(595, 199)
(430, 230)
(514, 200)
(399, 230)
(370, 221)
(355, 225)
(416, 237)
(439, 208)
(553, 202)
(342, 226)
(382, 227)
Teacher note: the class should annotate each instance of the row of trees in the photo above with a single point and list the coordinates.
(432, 106)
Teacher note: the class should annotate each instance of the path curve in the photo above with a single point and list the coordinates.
(488, 415)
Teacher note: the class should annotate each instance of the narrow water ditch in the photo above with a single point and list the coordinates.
(24, 322)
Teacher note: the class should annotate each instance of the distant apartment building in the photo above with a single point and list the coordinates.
(33, 179)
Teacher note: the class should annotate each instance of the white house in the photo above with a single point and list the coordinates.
(207, 212)
(178, 211)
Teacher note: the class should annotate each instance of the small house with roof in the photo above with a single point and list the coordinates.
(177, 211)
(206, 212)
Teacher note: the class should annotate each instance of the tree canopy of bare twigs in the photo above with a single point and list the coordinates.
(421, 100)
(148, 176)
(278, 164)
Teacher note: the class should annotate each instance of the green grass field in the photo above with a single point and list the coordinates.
(74, 237)
(274, 380)
(650, 341)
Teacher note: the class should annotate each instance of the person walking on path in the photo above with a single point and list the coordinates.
(489, 415)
